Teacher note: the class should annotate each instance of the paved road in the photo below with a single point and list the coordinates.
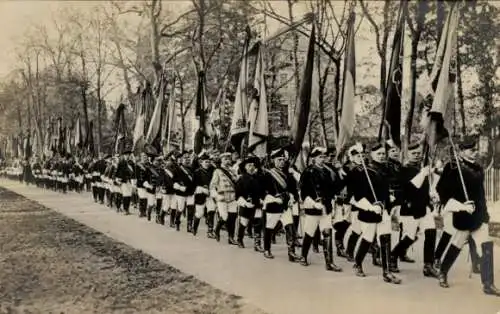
(278, 286)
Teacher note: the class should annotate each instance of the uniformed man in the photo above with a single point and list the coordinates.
(461, 189)
(317, 190)
(222, 189)
(202, 177)
(279, 191)
(143, 177)
(184, 191)
(124, 175)
(372, 199)
(416, 210)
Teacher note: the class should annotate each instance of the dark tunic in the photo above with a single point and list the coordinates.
(124, 171)
(317, 183)
(143, 174)
(414, 200)
(361, 189)
(249, 188)
(202, 178)
(278, 184)
(395, 184)
(450, 186)
(184, 176)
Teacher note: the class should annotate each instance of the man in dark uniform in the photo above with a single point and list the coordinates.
(279, 185)
(416, 211)
(143, 176)
(184, 191)
(248, 195)
(124, 175)
(461, 189)
(202, 177)
(317, 190)
(372, 199)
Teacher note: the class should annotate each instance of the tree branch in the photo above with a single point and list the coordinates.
(374, 25)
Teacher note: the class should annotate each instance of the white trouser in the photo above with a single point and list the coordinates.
(355, 223)
(223, 208)
(199, 211)
(369, 230)
(342, 212)
(311, 223)
(210, 203)
(168, 200)
(183, 201)
(410, 224)
(480, 236)
(126, 189)
(151, 199)
(273, 218)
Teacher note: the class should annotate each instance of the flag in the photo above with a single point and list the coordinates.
(68, 138)
(391, 119)
(153, 136)
(303, 106)
(258, 116)
(442, 83)
(47, 139)
(239, 127)
(171, 116)
(27, 147)
(35, 144)
(89, 141)
(140, 120)
(346, 125)
(215, 113)
(121, 129)
(203, 127)
(78, 134)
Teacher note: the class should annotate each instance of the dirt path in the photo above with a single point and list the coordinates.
(52, 264)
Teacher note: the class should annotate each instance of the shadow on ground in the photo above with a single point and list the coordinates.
(50, 263)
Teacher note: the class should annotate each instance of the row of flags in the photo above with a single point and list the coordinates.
(155, 118)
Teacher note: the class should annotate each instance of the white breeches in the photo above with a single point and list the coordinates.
(448, 223)
(285, 217)
(295, 209)
(168, 202)
(126, 189)
(369, 230)
(183, 201)
(342, 212)
(355, 223)
(223, 208)
(151, 199)
(480, 236)
(311, 223)
(410, 224)
(141, 193)
(199, 211)
(210, 204)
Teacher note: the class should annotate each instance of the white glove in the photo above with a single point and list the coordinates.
(377, 209)
(469, 207)
(392, 198)
(319, 205)
(179, 187)
(219, 197)
(147, 185)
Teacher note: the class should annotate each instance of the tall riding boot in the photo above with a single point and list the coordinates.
(306, 245)
(95, 194)
(220, 222)
(210, 224)
(441, 247)
(108, 197)
(268, 233)
(385, 252)
(150, 211)
(257, 235)
(231, 226)
(102, 193)
(351, 246)
(276, 231)
(398, 251)
(118, 200)
(340, 230)
(290, 242)
(158, 212)
(474, 257)
(172, 217)
(143, 204)
(241, 235)
(376, 259)
(126, 205)
(316, 240)
(162, 217)
(328, 252)
(178, 215)
(190, 217)
(487, 271)
(429, 246)
(363, 249)
(448, 260)
(249, 228)
(196, 224)
(296, 221)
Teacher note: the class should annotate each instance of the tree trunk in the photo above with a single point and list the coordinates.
(295, 57)
(84, 93)
(338, 105)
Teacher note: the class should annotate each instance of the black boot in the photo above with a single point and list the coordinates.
(196, 224)
(210, 225)
(375, 250)
(220, 222)
(328, 252)
(231, 226)
(316, 240)
(150, 211)
(118, 202)
(268, 233)
(172, 218)
(296, 221)
(241, 235)
(449, 259)
(257, 235)
(363, 249)
(157, 213)
(487, 271)
(190, 217)
(398, 251)
(162, 217)
(126, 205)
(474, 257)
(441, 247)
(351, 246)
(306, 245)
(95, 194)
(178, 215)
(340, 230)
(143, 203)
(429, 245)
(385, 253)
(290, 242)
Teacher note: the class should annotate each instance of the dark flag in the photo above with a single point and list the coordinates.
(204, 129)
(303, 105)
(391, 120)
(89, 141)
(121, 129)
(153, 136)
